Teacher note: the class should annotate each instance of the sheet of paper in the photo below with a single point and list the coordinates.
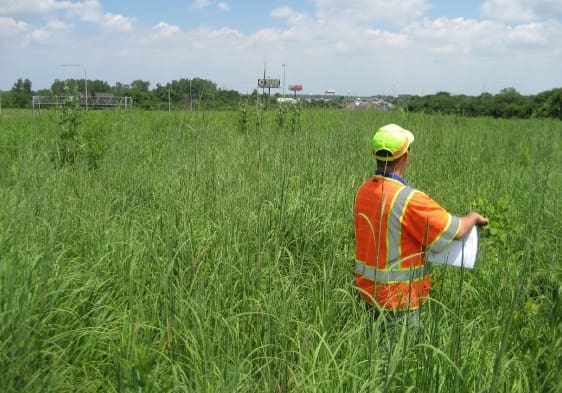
(459, 253)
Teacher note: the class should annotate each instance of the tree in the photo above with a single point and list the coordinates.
(98, 86)
(510, 103)
(60, 87)
(21, 93)
(228, 99)
(141, 95)
(140, 86)
(553, 105)
(121, 90)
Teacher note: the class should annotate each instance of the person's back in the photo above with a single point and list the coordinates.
(395, 225)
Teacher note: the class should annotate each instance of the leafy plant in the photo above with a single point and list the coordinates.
(74, 145)
(69, 143)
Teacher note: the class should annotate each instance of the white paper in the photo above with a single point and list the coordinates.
(459, 253)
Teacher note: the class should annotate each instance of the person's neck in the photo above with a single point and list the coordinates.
(390, 171)
(392, 174)
(395, 168)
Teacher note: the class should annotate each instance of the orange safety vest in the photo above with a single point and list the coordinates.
(394, 225)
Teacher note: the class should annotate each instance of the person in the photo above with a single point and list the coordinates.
(395, 224)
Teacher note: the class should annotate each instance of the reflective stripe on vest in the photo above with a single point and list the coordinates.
(389, 276)
(451, 230)
(393, 244)
(393, 272)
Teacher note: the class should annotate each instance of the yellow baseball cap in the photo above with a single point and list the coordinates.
(390, 142)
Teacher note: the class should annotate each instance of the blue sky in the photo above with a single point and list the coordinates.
(357, 47)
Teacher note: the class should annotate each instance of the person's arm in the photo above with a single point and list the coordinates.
(469, 221)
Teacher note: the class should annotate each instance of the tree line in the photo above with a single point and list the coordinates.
(203, 94)
(177, 94)
(508, 103)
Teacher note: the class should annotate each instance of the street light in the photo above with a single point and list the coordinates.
(85, 79)
(284, 80)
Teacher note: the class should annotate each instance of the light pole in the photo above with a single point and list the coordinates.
(284, 65)
(85, 79)
(190, 97)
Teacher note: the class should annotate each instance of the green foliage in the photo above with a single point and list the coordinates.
(282, 112)
(70, 144)
(295, 122)
(184, 263)
(59, 87)
(508, 103)
(244, 116)
(73, 145)
(552, 107)
(201, 94)
(506, 222)
(288, 117)
(21, 94)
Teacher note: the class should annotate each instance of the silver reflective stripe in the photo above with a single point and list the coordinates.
(393, 244)
(389, 275)
(393, 273)
(447, 235)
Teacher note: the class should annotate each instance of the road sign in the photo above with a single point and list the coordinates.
(269, 83)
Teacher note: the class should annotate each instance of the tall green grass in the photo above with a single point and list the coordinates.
(202, 257)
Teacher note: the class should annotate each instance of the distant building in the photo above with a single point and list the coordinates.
(286, 100)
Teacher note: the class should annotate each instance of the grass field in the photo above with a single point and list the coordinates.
(214, 252)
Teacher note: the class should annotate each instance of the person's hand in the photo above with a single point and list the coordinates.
(469, 221)
(480, 220)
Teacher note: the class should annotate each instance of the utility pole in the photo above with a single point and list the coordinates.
(190, 97)
(85, 79)
(284, 65)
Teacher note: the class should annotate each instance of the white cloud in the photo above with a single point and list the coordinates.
(473, 41)
(288, 13)
(57, 24)
(86, 11)
(396, 12)
(10, 26)
(266, 36)
(41, 35)
(198, 4)
(89, 11)
(383, 38)
(31, 7)
(534, 36)
(220, 37)
(456, 36)
(282, 12)
(521, 10)
(531, 34)
(341, 44)
(164, 30)
(117, 22)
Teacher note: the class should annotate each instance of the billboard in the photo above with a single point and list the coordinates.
(269, 83)
(295, 87)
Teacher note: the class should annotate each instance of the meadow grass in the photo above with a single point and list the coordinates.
(202, 254)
